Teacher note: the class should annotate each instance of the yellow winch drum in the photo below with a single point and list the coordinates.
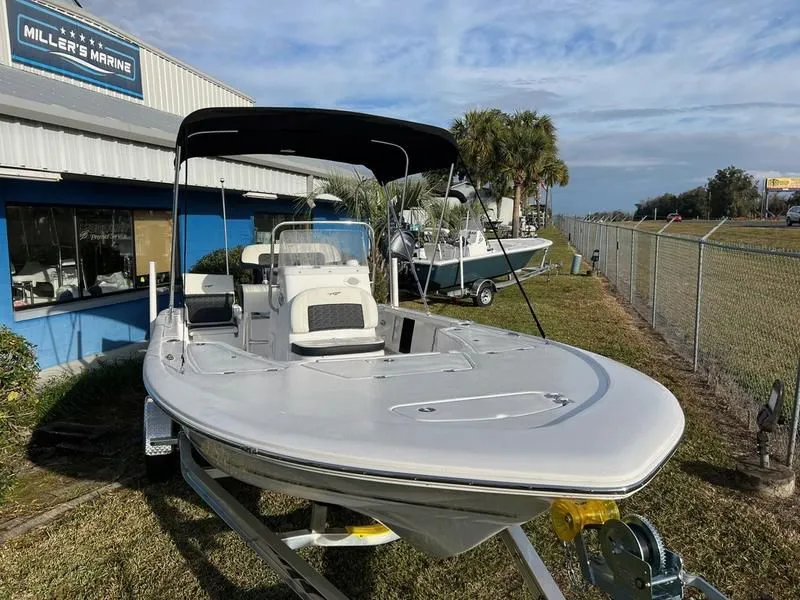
(569, 517)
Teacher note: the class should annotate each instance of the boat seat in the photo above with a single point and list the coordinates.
(332, 321)
(255, 305)
(208, 303)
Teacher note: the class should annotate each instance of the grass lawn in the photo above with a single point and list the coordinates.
(160, 541)
(750, 233)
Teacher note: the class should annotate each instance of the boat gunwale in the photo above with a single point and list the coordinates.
(486, 486)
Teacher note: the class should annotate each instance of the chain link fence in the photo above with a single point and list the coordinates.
(732, 311)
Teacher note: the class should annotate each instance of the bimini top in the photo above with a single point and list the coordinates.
(336, 135)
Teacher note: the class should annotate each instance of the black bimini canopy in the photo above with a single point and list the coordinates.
(335, 135)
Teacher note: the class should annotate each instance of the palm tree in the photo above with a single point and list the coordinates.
(525, 141)
(476, 134)
(554, 172)
(364, 199)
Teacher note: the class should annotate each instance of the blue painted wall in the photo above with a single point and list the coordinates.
(65, 337)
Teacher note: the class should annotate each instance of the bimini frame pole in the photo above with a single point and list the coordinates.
(225, 225)
(173, 259)
(390, 213)
(445, 204)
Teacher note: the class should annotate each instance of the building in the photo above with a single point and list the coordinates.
(88, 120)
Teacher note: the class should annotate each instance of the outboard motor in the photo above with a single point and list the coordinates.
(403, 245)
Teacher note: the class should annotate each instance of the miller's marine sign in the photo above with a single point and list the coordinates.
(51, 41)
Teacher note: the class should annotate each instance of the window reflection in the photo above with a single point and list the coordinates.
(114, 248)
(41, 244)
(264, 224)
(105, 240)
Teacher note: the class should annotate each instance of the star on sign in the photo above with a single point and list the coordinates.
(71, 34)
(83, 38)
(63, 31)
(100, 44)
(91, 41)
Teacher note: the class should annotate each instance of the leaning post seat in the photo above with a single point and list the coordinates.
(208, 302)
(332, 321)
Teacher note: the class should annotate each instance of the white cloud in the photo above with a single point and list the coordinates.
(687, 86)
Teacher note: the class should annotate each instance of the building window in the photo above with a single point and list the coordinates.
(152, 235)
(105, 243)
(114, 247)
(41, 249)
(265, 222)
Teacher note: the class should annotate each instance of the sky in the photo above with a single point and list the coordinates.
(649, 96)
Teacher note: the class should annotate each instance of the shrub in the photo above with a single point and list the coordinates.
(18, 376)
(18, 372)
(214, 263)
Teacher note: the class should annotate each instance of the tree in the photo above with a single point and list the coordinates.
(733, 193)
(476, 134)
(517, 151)
(525, 142)
(554, 172)
(364, 199)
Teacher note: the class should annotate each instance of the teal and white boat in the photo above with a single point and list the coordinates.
(469, 265)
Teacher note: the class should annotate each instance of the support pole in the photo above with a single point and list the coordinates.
(700, 251)
(461, 262)
(616, 255)
(152, 295)
(630, 273)
(795, 419)
(225, 226)
(445, 204)
(173, 259)
(699, 295)
(395, 283)
(655, 282)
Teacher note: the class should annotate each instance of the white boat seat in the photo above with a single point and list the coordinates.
(330, 321)
(209, 300)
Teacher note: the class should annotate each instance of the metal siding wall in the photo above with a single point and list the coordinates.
(34, 146)
(5, 37)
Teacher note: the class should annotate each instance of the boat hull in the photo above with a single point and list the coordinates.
(447, 274)
(439, 522)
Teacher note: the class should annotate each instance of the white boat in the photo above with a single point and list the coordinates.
(469, 264)
(445, 431)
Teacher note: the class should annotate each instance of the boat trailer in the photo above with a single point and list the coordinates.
(482, 291)
(633, 563)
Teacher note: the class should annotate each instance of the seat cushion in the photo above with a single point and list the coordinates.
(328, 308)
(209, 309)
(336, 347)
(324, 317)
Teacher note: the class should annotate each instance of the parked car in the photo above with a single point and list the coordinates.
(793, 216)
(674, 217)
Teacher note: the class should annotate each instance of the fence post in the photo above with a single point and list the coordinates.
(597, 231)
(655, 282)
(700, 291)
(701, 246)
(630, 274)
(616, 255)
(585, 240)
(795, 418)
(604, 249)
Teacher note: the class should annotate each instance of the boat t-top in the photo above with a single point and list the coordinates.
(439, 431)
